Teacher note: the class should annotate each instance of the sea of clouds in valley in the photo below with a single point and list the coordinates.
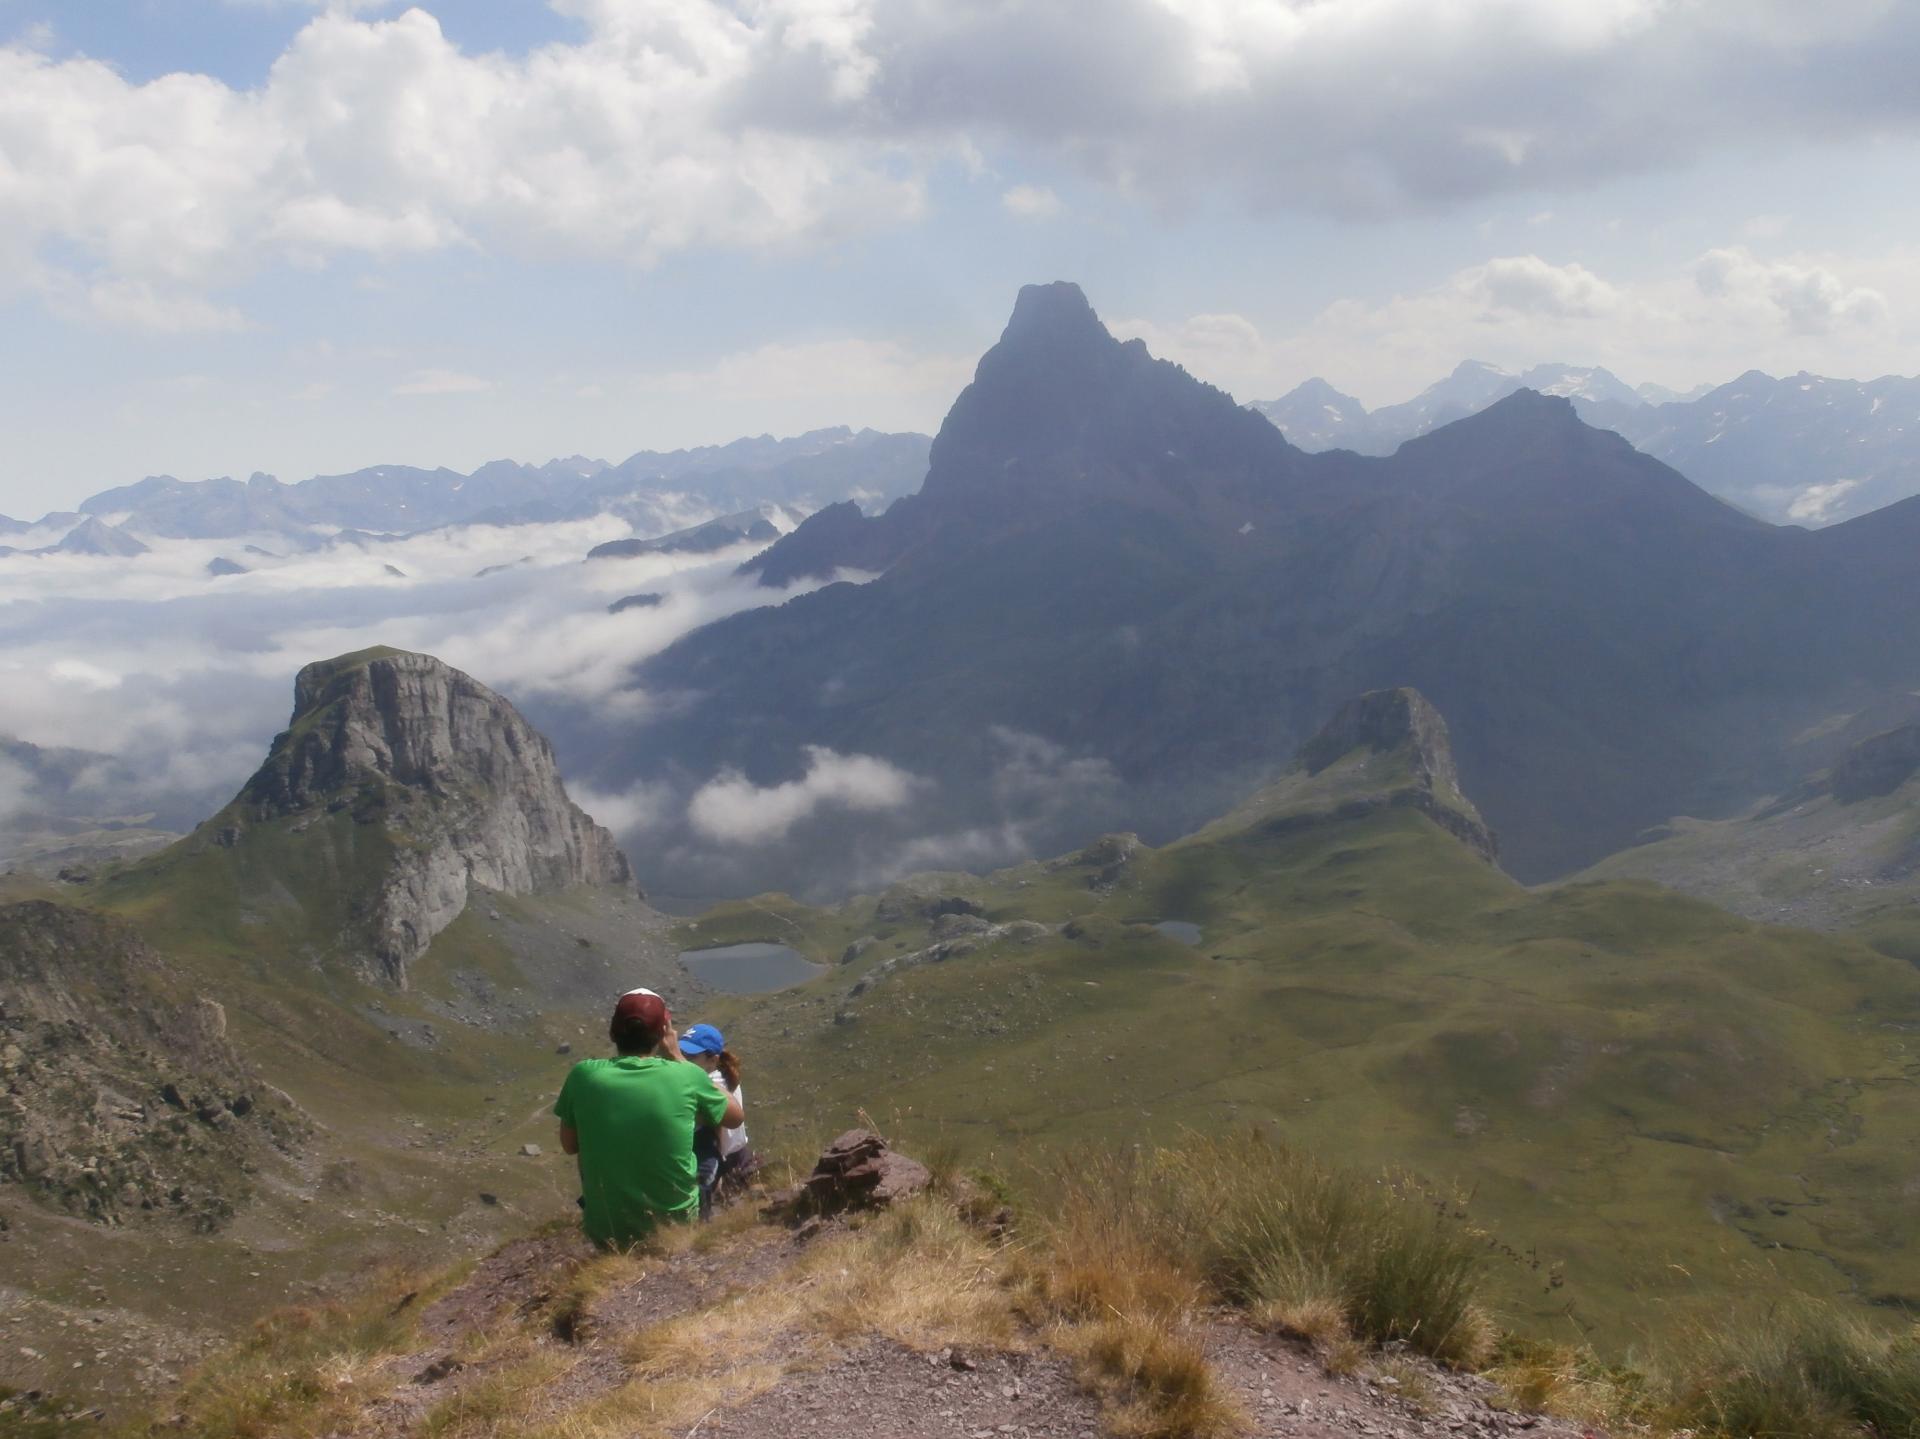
(175, 681)
(187, 677)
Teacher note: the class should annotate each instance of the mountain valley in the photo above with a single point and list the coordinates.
(1368, 782)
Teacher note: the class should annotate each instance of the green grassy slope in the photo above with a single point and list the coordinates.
(1663, 1100)
(422, 1099)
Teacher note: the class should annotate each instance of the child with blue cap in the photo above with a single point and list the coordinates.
(720, 1154)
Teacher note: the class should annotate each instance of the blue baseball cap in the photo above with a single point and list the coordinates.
(702, 1039)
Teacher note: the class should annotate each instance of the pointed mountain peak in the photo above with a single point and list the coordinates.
(1524, 414)
(1474, 369)
(1057, 310)
(1388, 722)
(1318, 389)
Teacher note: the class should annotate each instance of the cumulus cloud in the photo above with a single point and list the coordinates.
(1810, 298)
(1031, 202)
(1787, 312)
(731, 809)
(638, 807)
(1529, 285)
(700, 124)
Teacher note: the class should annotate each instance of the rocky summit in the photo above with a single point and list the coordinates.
(1386, 749)
(462, 789)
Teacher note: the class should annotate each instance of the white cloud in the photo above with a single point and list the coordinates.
(732, 809)
(1031, 202)
(1528, 285)
(187, 679)
(639, 807)
(1725, 312)
(441, 382)
(1816, 503)
(701, 124)
(1810, 298)
(16, 787)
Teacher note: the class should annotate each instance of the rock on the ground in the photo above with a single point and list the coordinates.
(857, 1171)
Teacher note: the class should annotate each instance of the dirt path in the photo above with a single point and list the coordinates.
(877, 1387)
(1285, 1394)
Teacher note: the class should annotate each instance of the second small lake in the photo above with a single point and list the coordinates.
(1183, 930)
(750, 968)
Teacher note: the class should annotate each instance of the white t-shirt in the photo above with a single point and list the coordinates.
(731, 1140)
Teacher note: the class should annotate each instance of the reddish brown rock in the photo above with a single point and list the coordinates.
(856, 1171)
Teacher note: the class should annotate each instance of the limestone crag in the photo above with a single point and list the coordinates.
(466, 789)
(1404, 759)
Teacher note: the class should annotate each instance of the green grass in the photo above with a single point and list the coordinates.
(1653, 1100)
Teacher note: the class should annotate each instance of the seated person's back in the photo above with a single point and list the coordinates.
(632, 1119)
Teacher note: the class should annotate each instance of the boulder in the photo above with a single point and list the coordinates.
(857, 1171)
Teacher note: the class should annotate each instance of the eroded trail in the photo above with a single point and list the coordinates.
(905, 1325)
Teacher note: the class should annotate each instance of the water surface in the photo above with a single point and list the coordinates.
(750, 968)
(1183, 930)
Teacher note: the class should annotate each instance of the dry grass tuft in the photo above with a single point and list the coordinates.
(304, 1371)
(1808, 1369)
(1318, 1319)
(1569, 1382)
(1153, 1377)
(1322, 1252)
(915, 1274)
(503, 1402)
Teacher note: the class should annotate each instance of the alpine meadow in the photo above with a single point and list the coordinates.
(754, 720)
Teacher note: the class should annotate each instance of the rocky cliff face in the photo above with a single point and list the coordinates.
(1877, 765)
(464, 789)
(1390, 748)
(119, 1098)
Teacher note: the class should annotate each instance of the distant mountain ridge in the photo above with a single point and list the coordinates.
(649, 489)
(1118, 558)
(1797, 450)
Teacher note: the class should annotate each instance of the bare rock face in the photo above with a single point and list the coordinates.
(118, 1102)
(465, 790)
(857, 1171)
(1404, 728)
(1878, 765)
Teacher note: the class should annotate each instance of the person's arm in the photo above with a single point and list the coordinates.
(563, 1111)
(670, 1045)
(735, 1115)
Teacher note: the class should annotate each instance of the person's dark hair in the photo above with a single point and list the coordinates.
(634, 1036)
(729, 1067)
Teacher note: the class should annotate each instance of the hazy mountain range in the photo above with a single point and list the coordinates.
(1800, 450)
(1115, 567)
(650, 490)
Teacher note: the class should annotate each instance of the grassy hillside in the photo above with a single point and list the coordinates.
(1653, 1101)
(420, 1100)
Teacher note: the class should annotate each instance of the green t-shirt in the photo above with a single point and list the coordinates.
(635, 1118)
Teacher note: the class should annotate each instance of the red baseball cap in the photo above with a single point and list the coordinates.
(644, 1007)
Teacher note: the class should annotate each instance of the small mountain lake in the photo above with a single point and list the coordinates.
(1185, 931)
(750, 968)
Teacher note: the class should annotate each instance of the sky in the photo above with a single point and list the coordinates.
(299, 238)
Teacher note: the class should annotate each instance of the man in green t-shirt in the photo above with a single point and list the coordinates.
(631, 1121)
